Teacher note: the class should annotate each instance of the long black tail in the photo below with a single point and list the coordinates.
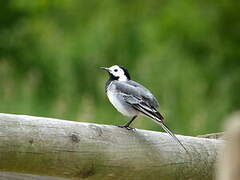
(164, 126)
(158, 119)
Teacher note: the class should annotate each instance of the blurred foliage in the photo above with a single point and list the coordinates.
(186, 52)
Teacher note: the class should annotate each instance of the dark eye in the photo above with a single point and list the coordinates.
(115, 70)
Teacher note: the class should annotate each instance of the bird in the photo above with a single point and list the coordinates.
(133, 99)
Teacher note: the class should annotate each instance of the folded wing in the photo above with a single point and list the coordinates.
(143, 101)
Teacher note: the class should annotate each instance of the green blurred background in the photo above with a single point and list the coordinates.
(186, 52)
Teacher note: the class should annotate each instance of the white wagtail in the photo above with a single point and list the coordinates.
(132, 99)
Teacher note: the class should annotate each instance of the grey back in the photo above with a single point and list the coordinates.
(132, 88)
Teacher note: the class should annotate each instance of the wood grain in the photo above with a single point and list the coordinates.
(74, 150)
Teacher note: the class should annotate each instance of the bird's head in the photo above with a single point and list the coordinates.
(118, 73)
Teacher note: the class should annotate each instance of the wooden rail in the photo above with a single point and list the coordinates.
(74, 150)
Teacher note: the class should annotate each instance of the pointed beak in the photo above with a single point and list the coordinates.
(104, 68)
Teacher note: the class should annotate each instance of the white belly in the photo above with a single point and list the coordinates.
(120, 105)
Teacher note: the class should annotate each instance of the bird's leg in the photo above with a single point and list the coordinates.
(126, 125)
(129, 122)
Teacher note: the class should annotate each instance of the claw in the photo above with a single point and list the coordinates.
(127, 127)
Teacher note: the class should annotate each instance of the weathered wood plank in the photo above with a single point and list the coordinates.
(76, 150)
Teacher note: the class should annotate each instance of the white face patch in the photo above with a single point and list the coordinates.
(118, 72)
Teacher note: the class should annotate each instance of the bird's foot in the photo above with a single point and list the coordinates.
(127, 127)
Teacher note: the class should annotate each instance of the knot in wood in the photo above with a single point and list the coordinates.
(31, 141)
(75, 137)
